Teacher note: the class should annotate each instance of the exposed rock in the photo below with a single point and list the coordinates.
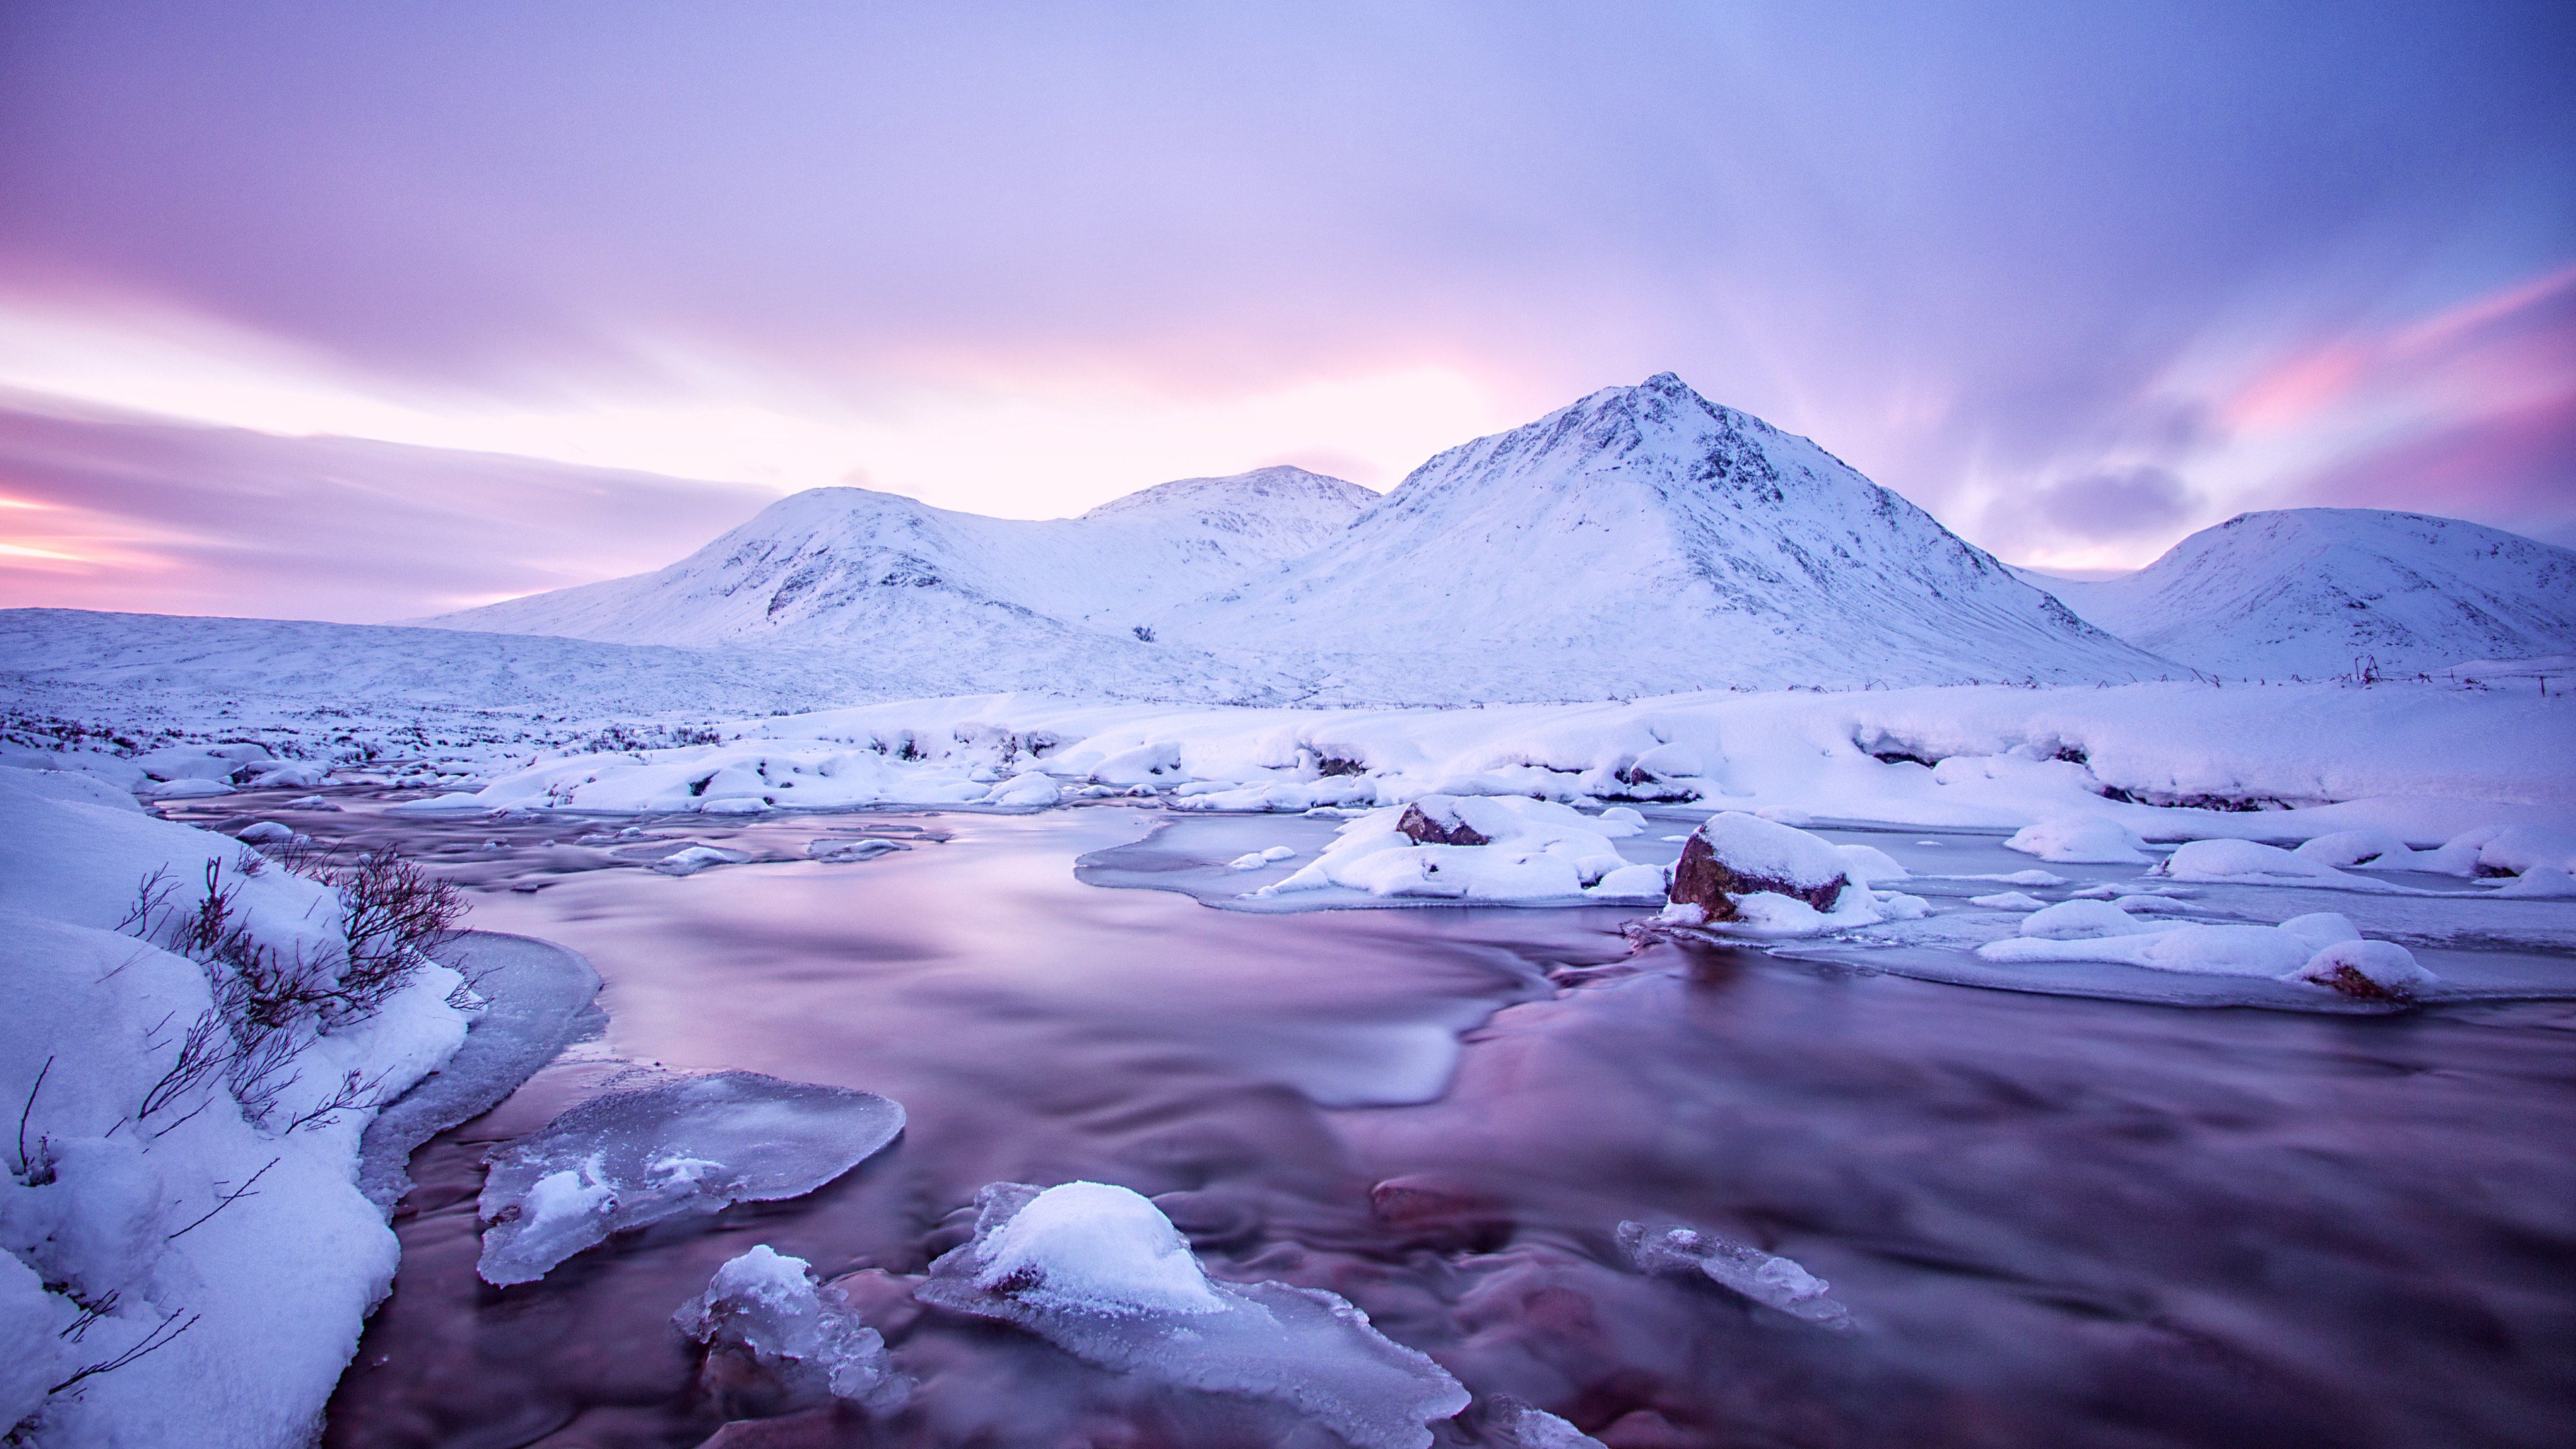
(1439, 826)
(1735, 854)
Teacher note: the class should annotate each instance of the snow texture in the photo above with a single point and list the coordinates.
(2080, 840)
(1765, 1278)
(1103, 1275)
(632, 1158)
(768, 1307)
(1523, 850)
(2317, 592)
(227, 1247)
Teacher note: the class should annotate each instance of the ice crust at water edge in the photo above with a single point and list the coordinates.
(805, 1334)
(1103, 1275)
(692, 1146)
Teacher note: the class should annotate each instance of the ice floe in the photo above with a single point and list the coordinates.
(1100, 1272)
(767, 1307)
(1766, 1278)
(636, 1157)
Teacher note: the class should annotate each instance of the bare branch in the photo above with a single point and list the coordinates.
(227, 1200)
(158, 1338)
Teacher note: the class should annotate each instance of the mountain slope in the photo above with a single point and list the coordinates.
(2313, 591)
(1645, 540)
(953, 593)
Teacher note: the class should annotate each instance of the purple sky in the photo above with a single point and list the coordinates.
(2076, 282)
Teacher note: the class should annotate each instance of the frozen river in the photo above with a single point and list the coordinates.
(2055, 1220)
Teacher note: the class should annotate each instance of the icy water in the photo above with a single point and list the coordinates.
(2056, 1221)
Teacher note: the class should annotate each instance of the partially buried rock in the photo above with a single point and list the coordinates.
(1736, 854)
(632, 1158)
(1099, 1272)
(1434, 820)
(1766, 1278)
(765, 1308)
(2368, 970)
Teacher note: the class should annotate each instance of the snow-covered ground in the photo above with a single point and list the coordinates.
(2170, 761)
(189, 1258)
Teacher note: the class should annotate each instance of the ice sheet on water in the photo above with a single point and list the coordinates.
(1766, 1278)
(1099, 1272)
(689, 860)
(804, 1334)
(691, 1146)
(841, 852)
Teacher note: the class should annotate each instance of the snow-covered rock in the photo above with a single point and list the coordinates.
(2371, 970)
(1736, 855)
(768, 1307)
(2318, 592)
(1098, 1271)
(1765, 1278)
(632, 1158)
(1482, 848)
(690, 859)
(2252, 862)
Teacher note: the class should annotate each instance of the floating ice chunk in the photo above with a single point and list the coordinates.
(838, 852)
(1512, 1424)
(2028, 878)
(311, 802)
(632, 1158)
(1099, 1272)
(1763, 1277)
(2371, 970)
(2081, 840)
(264, 832)
(804, 1334)
(2080, 920)
(2008, 901)
(689, 860)
(190, 789)
(442, 804)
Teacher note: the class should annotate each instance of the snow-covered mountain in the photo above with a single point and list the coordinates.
(1645, 540)
(2315, 591)
(851, 564)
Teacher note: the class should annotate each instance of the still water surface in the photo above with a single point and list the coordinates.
(2056, 1221)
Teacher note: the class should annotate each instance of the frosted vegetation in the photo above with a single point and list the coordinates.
(1098, 1271)
(632, 1158)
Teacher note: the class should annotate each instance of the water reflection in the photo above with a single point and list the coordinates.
(2056, 1221)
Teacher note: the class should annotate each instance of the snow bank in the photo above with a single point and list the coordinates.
(1102, 1274)
(2322, 948)
(181, 1202)
(632, 1158)
(2281, 764)
(767, 1307)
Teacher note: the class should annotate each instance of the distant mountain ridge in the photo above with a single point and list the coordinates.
(2318, 592)
(1641, 540)
(1645, 540)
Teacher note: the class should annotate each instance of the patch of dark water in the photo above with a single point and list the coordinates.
(2055, 1221)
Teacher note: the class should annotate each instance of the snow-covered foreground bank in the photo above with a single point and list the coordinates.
(2282, 763)
(197, 1042)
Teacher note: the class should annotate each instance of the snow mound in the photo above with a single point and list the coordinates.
(838, 852)
(2080, 840)
(1765, 1278)
(2248, 862)
(767, 1307)
(1470, 848)
(690, 859)
(1103, 1275)
(2322, 948)
(637, 1157)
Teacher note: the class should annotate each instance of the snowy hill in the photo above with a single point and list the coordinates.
(2309, 591)
(847, 564)
(1645, 540)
